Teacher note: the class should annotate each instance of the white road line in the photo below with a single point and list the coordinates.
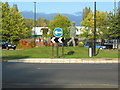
(24, 83)
(72, 68)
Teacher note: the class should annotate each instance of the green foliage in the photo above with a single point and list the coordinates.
(0, 21)
(114, 25)
(29, 23)
(15, 7)
(80, 44)
(42, 22)
(60, 22)
(13, 26)
(85, 13)
(107, 24)
(5, 21)
(101, 22)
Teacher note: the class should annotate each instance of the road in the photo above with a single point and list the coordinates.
(26, 75)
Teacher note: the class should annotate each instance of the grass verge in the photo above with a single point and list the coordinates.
(46, 52)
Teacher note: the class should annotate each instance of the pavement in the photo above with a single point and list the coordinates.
(49, 75)
(65, 60)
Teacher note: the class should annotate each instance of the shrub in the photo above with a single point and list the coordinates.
(80, 44)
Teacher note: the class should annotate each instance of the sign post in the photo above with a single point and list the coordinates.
(57, 33)
(57, 50)
(57, 39)
(52, 49)
(62, 49)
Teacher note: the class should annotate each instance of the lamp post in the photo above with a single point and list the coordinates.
(115, 38)
(34, 23)
(94, 43)
(119, 23)
(114, 14)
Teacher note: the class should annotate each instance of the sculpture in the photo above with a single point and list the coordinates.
(72, 31)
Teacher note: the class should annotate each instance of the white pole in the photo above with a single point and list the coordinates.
(90, 52)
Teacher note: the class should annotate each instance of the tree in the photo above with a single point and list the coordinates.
(5, 21)
(15, 7)
(41, 22)
(17, 25)
(101, 25)
(60, 22)
(13, 26)
(29, 23)
(114, 25)
(85, 13)
(0, 21)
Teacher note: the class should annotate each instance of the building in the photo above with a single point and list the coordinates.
(40, 30)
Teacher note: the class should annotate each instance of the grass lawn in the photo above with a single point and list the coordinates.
(46, 52)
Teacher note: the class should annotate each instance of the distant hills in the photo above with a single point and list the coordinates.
(77, 18)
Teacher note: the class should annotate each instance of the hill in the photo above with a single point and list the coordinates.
(77, 18)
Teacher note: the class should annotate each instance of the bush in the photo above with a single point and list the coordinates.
(80, 44)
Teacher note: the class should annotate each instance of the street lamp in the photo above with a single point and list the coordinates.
(114, 14)
(94, 44)
(34, 23)
(115, 41)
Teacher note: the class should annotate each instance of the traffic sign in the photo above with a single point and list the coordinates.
(58, 32)
(57, 40)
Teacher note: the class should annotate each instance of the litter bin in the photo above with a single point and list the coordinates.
(90, 50)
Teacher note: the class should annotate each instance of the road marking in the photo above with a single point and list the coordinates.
(24, 83)
(73, 68)
(38, 68)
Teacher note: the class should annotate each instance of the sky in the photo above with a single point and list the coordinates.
(63, 7)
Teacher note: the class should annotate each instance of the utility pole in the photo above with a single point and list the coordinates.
(114, 9)
(115, 38)
(34, 23)
(119, 23)
(94, 43)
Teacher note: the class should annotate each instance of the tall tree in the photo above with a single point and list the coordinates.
(85, 13)
(42, 22)
(13, 26)
(101, 24)
(15, 7)
(29, 23)
(0, 21)
(60, 22)
(17, 25)
(5, 21)
(114, 25)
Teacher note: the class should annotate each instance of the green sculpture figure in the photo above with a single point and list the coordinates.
(72, 31)
(44, 35)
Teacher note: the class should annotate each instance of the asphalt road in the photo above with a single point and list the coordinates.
(24, 75)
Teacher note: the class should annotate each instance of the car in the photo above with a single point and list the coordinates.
(97, 46)
(7, 45)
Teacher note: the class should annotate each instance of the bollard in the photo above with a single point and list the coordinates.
(90, 50)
